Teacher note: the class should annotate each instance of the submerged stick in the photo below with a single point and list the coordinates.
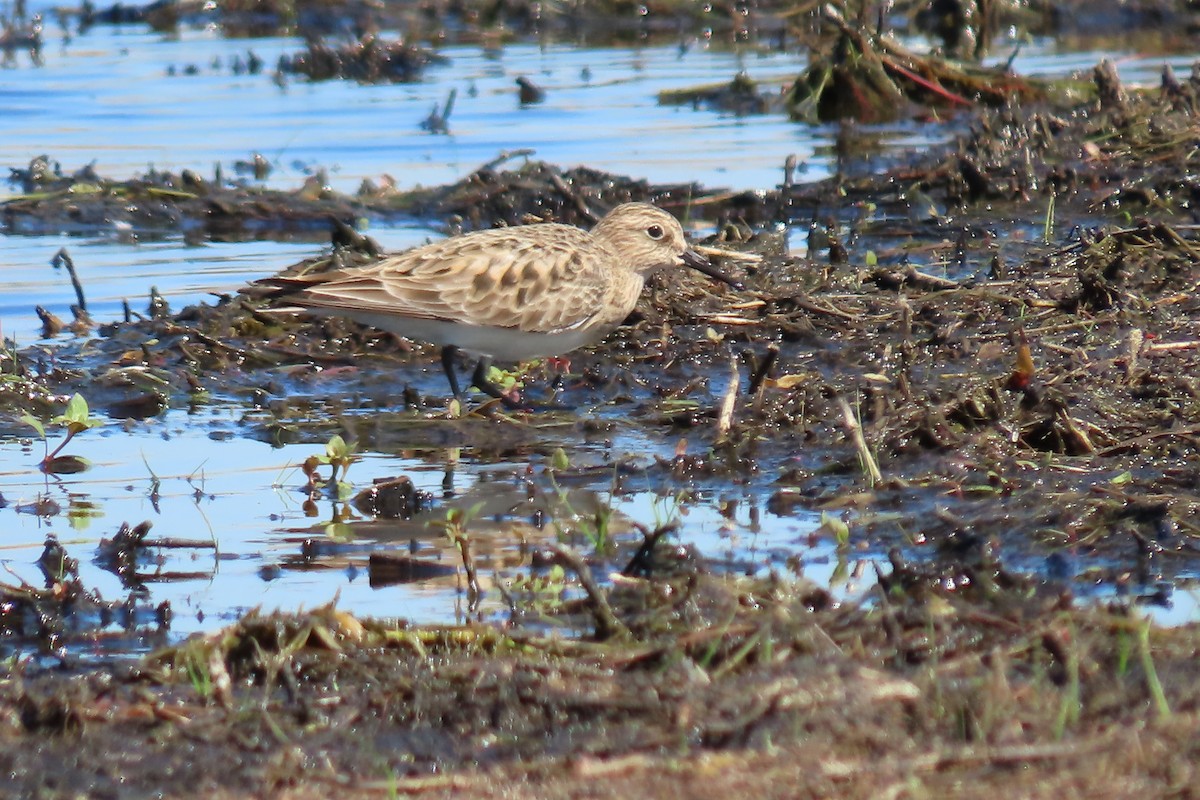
(607, 624)
(854, 429)
(641, 565)
(763, 369)
(728, 402)
(1136, 339)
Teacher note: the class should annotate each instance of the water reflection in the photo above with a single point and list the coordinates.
(109, 97)
(231, 527)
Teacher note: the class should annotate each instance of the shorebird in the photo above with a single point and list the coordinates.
(512, 294)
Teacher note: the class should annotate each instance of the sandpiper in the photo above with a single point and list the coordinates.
(509, 293)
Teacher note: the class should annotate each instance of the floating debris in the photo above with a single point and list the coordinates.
(528, 92)
(369, 60)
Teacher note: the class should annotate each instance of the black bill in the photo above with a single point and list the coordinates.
(701, 264)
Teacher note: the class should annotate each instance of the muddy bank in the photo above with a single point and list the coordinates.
(717, 686)
(512, 189)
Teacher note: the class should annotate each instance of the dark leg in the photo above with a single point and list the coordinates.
(480, 380)
(448, 354)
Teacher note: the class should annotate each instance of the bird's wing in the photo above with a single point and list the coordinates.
(550, 278)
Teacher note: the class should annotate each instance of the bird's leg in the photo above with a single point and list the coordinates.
(448, 354)
(480, 380)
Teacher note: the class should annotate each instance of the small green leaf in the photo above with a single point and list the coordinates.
(559, 460)
(77, 413)
(34, 423)
(502, 379)
(340, 531)
(75, 428)
(77, 408)
(336, 448)
(838, 527)
(1122, 479)
(871, 259)
(175, 193)
(679, 404)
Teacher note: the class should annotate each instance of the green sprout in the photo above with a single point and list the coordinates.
(595, 526)
(454, 526)
(339, 456)
(75, 420)
(506, 380)
(542, 594)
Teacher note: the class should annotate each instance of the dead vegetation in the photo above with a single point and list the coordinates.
(763, 687)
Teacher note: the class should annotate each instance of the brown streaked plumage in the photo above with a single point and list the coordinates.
(509, 293)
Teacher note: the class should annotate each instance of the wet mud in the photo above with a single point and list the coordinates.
(982, 370)
(711, 686)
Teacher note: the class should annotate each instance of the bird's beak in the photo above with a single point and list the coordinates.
(701, 264)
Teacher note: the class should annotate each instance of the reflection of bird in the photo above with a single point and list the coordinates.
(529, 92)
(509, 293)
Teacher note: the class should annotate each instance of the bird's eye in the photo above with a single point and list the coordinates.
(655, 232)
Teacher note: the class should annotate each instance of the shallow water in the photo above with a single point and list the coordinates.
(107, 97)
(197, 477)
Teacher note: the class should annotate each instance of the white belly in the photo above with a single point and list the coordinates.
(504, 344)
